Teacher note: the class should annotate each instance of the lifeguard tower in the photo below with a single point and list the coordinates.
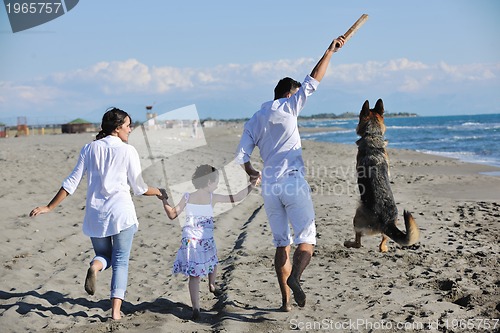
(151, 117)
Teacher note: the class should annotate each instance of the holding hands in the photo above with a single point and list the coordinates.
(164, 195)
(255, 179)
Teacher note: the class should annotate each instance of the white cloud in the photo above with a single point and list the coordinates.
(408, 76)
(207, 77)
(282, 68)
(129, 78)
(374, 71)
(132, 76)
(164, 79)
(405, 64)
(115, 77)
(32, 95)
(469, 72)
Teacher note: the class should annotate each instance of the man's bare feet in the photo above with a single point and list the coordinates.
(286, 307)
(298, 293)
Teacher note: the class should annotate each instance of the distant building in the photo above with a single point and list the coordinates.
(209, 123)
(78, 126)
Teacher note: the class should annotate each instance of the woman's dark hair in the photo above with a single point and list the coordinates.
(203, 174)
(112, 119)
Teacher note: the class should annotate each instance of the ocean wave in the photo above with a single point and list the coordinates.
(416, 127)
(327, 132)
(454, 138)
(446, 153)
(472, 137)
(326, 123)
(416, 142)
(464, 156)
(474, 126)
(470, 123)
(491, 126)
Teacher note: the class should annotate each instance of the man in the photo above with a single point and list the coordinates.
(286, 194)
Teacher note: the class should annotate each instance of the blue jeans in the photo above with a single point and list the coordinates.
(114, 251)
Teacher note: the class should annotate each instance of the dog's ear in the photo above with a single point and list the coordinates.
(379, 107)
(365, 110)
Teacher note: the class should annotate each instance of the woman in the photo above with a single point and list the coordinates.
(112, 167)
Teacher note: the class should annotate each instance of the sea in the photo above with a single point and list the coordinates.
(470, 138)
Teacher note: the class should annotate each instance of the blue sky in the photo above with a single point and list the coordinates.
(429, 57)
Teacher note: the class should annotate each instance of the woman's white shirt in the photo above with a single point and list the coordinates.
(112, 167)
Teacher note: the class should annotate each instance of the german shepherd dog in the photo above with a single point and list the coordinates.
(377, 212)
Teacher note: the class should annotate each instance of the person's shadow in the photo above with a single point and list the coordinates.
(160, 305)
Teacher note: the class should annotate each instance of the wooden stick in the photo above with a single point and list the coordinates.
(349, 33)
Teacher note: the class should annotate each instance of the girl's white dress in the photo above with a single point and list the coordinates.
(197, 255)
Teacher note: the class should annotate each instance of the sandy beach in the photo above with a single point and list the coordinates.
(448, 282)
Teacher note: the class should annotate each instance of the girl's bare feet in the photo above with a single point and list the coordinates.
(196, 314)
(214, 290)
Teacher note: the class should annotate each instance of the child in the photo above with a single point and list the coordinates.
(197, 255)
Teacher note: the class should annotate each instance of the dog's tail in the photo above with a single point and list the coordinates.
(404, 239)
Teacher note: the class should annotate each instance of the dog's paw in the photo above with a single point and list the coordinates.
(383, 248)
(352, 244)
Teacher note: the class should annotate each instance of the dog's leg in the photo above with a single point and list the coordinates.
(359, 222)
(357, 242)
(383, 244)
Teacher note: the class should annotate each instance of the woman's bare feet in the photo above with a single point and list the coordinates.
(116, 305)
(116, 316)
(90, 280)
